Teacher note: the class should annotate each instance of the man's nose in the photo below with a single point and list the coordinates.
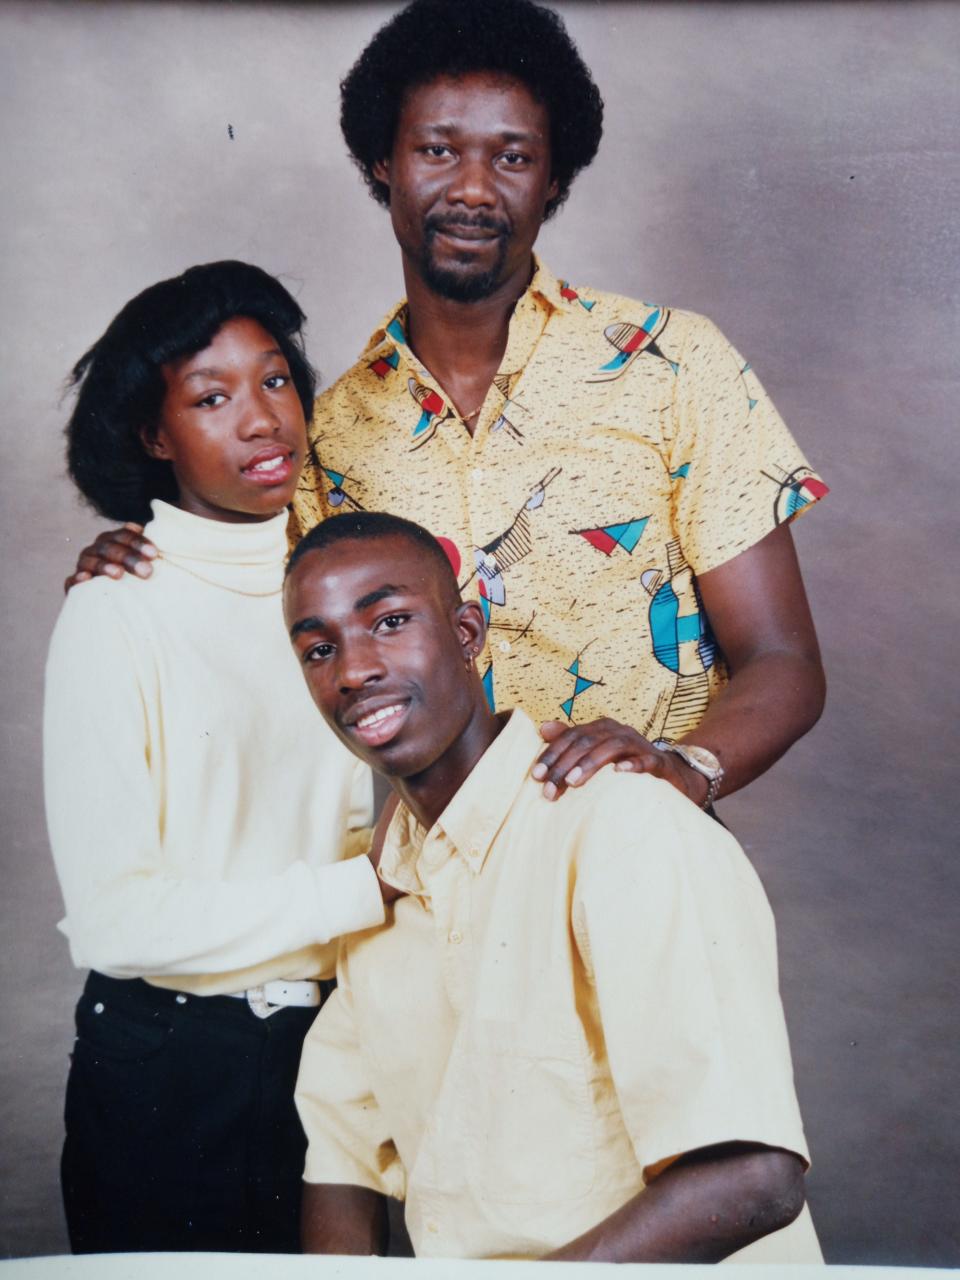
(359, 664)
(473, 183)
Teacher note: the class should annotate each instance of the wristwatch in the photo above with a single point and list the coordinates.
(700, 759)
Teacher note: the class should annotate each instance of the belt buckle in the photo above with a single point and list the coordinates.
(257, 1000)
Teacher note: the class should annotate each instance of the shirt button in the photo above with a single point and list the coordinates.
(477, 473)
(474, 853)
(432, 1228)
(98, 1007)
(181, 999)
(504, 646)
(455, 936)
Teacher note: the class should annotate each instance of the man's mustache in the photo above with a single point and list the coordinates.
(436, 225)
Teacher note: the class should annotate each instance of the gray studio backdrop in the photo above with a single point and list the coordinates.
(789, 169)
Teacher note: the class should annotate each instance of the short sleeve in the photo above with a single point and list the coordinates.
(678, 940)
(347, 1140)
(736, 472)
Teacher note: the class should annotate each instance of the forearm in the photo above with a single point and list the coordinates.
(770, 702)
(701, 1209)
(143, 922)
(759, 614)
(343, 1219)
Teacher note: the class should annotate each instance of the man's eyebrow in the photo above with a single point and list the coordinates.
(213, 372)
(314, 623)
(505, 136)
(311, 623)
(381, 593)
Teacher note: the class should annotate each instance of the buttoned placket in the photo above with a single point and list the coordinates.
(479, 457)
(448, 880)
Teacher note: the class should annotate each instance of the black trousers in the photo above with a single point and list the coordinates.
(181, 1127)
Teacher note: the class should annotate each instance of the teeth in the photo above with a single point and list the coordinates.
(270, 464)
(376, 716)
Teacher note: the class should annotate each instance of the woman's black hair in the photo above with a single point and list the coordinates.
(431, 38)
(121, 386)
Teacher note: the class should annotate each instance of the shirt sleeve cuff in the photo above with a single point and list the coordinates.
(350, 898)
(339, 1169)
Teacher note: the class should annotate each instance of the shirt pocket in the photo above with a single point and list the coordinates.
(530, 1128)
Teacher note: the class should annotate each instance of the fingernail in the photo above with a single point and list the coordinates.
(574, 776)
(539, 771)
(624, 766)
(549, 791)
(112, 571)
(149, 551)
(142, 570)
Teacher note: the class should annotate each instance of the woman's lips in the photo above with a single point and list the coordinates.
(275, 467)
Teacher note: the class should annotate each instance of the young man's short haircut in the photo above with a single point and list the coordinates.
(121, 385)
(431, 38)
(361, 526)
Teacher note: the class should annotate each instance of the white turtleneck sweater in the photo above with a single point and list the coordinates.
(198, 806)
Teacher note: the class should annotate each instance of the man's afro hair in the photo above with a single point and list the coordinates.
(431, 38)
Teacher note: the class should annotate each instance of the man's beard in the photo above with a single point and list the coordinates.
(463, 284)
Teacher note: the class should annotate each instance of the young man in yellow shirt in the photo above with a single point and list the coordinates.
(567, 1042)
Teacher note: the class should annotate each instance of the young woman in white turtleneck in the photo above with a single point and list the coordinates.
(199, 809)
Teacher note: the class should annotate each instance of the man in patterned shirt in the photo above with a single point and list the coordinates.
(608, 476)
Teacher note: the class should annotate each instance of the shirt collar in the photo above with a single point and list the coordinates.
(240, 557)
(474, 816)
(390, 333)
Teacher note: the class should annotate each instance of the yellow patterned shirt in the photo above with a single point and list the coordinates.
(622, 449)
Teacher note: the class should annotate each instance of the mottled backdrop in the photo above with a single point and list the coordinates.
(789, 169)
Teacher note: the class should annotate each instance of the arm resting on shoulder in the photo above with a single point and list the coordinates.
(702, 1208)
(759, 615)
(343, 1219)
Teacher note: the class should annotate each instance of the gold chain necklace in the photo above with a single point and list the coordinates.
(468, 417)
(211, 582)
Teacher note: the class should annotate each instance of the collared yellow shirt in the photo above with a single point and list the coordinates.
(622, 449)
(570, 997)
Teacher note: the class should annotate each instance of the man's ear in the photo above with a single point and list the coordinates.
(471, 627)
(381, 171)
(154, 444)
(552, 190)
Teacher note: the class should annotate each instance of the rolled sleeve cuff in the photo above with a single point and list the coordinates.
(337, 1168)
(349, 898)
(659, 1150)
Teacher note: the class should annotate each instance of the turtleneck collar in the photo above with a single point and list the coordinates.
(239, 557)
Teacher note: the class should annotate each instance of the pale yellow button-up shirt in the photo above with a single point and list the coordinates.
(571, 996)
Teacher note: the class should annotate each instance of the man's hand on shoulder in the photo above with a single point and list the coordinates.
(114, 553)
(577, 752)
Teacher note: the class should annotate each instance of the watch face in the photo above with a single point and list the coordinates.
(706, 759)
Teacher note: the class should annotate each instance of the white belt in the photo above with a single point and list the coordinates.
(271, 996)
